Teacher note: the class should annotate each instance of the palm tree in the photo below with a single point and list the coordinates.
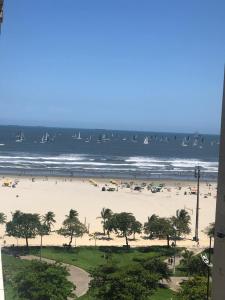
(106, 214)
(2, 218)
(48, 221)
(187, 257)
(73, 214)
(72, 227)
(182, 222)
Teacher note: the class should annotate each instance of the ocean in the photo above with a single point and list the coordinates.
(106, 153)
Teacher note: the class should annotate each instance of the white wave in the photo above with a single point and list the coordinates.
(48, 162)
(147, 165)
(179, 163)
(142, 159)
(57, 158)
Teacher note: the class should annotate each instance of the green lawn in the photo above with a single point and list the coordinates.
(89, 257)
(10, 266)
(163, 294)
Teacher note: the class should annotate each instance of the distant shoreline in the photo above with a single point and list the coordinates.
(106, 129)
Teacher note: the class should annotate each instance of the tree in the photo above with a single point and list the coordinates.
(42, 281)
(106, 214)
(123, 223)
(197, 267)
(157, 266)
(193, 264)
(193, 289)
(136, 227)
(165, 227)
(124, 283)
(72, 227)
(45, 228)
(49, 219)
(152, 226)
(186, 257)
(182, 222)
(167, 230)
(109, 225)
(210, 230)
(2, 218)
(23, 225)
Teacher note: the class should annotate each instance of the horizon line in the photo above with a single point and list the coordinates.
(109, 129)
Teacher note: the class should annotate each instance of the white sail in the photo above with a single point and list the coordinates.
(184, 142)
(20, 137)
(146, 141)
(45, 138)
(195, 142)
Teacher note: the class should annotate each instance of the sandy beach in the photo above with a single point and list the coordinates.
(60, 195)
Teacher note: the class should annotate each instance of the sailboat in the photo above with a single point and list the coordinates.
(45, 138)
(87, 140)
(195, 143)
(184, 142)
(134, 138)
(146, 141)
(20, 137)
(74, 136)
(79, 136)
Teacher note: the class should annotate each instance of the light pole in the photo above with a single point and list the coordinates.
(174, 244)
(197, 175)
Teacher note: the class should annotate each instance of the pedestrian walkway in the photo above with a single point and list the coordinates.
(175, 281)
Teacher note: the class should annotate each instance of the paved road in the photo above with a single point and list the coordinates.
(77, 276)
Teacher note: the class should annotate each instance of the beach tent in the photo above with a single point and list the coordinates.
(193, 191)
(7, 182)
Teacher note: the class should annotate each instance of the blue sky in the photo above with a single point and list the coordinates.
(122, 64)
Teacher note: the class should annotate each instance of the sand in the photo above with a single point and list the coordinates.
(60, 195)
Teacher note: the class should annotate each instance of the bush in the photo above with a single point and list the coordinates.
(194, 289)
(42, 281)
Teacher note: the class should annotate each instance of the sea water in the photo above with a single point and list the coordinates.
(107, 153)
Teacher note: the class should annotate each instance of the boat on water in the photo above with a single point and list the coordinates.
(195, 143)
(79, 136)
(45, 138)
(74, 136)
(146, 140)
(185, 142)
(103, 138)
(88, 139)
(134, 139)
(20, 137)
